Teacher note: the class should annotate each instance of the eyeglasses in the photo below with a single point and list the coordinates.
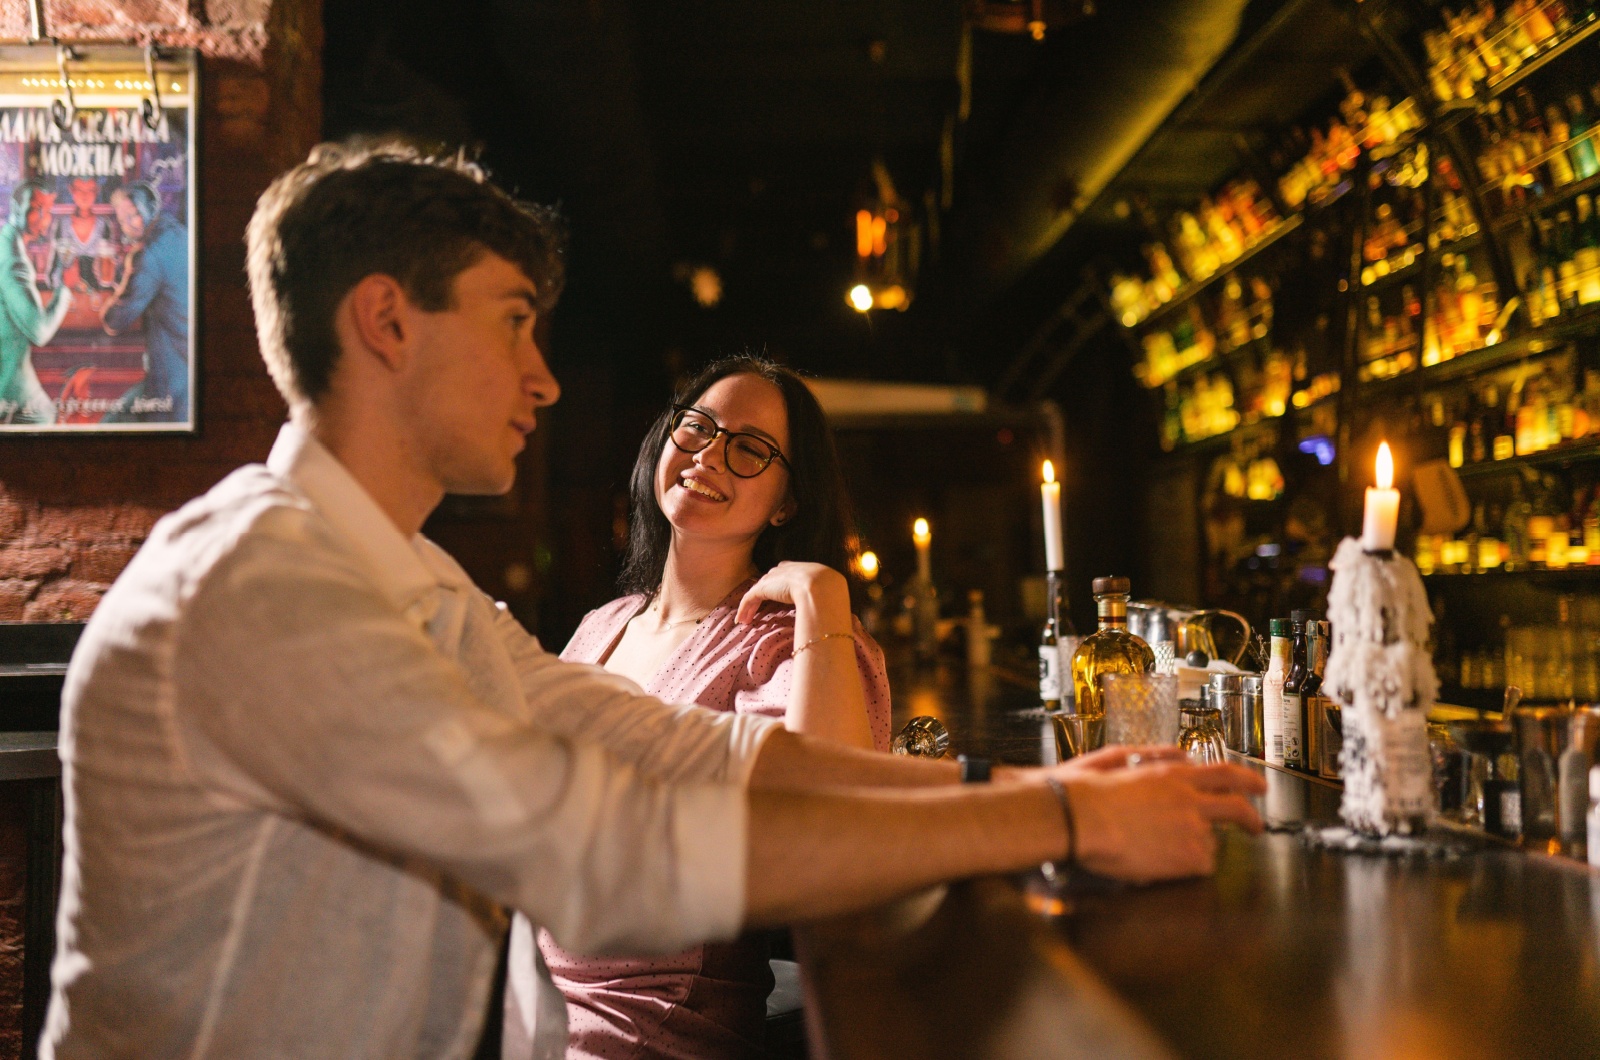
(694, 431)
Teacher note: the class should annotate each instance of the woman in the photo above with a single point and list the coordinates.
(733, 599)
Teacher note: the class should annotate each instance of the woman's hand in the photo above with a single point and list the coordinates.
(810, 587)
(829, 699)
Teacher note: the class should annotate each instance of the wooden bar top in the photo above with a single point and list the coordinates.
(1290, 950)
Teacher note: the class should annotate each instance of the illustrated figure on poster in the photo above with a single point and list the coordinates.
(26, 319)
(155, 286)
(84, 239)
(40, 238)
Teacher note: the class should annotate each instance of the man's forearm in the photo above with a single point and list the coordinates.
(791, 761)
(823, 854)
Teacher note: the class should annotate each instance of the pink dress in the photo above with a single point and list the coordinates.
(709, 1002)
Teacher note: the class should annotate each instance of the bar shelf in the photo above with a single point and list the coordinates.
(1505, 84)
(1187, 292)
(1559, 456)
(1530, 343)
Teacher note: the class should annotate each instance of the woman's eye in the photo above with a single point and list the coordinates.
(753, 450)
(697, 427)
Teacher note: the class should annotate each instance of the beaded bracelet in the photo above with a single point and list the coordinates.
(814, 641)
(1060, 793)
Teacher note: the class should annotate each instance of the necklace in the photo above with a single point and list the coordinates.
(656, 607)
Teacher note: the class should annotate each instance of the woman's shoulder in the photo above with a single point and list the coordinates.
(599, 626)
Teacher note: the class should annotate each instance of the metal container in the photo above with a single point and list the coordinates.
(1241, 724)
(1254, 740)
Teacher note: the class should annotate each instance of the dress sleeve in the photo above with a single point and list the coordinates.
(301, 691)
(769, 681)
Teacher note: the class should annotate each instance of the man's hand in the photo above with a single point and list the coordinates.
(1155, 822)
(1118, 756)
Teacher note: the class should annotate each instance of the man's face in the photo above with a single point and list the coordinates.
(128, 217)
(39, 212)
(477, 380)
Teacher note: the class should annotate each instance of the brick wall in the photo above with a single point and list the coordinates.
(74, 510)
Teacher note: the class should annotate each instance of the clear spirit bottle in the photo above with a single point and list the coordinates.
(1110, 649)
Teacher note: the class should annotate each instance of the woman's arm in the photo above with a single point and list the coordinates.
(829, 699)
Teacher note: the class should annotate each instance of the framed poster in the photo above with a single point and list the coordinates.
(97, 246)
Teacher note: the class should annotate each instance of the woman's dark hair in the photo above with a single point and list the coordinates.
(821, 527)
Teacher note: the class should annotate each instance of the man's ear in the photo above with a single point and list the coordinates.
(378, 313)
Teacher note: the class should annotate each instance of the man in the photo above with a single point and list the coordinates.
(155, 286)
(26, 320)
(308, 766)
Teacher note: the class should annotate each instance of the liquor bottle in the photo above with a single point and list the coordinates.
(1311, 706)
(1586, 252)
(1056, 645)
(1110, 649)
(1293, 679)
(1585, 162)
(1558, 132)
(1282, 631)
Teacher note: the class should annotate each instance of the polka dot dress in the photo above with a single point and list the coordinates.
(709, 1002)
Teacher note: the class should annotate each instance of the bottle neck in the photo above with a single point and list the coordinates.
(1113, 610)
(1057, 614)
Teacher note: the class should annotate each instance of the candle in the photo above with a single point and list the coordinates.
(1382, 510)
(867, 563)
(1050, 491)
(922, 537)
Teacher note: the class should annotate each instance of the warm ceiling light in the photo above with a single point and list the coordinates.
(860, 298)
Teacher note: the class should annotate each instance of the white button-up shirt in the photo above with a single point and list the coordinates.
(306, 762)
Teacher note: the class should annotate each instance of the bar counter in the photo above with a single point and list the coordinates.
(1289, 950)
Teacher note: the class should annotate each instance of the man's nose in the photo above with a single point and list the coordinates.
(539, 382)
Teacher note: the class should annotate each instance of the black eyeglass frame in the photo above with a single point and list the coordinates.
(679, 411)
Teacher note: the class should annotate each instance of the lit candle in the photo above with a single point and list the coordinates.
(1050, 491)
(922, 537)
(1382, 509)
(867, 563)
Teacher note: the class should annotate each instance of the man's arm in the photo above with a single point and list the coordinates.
(36, 320)
(820, 854)
(673, 742)
(139, 286)
(299, 690)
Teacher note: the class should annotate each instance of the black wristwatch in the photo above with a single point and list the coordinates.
(973, 770)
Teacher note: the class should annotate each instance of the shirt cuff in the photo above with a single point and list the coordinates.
(712, 824)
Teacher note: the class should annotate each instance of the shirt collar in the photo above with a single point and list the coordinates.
(404, 571)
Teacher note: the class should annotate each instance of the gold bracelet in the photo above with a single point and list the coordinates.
(814, 641)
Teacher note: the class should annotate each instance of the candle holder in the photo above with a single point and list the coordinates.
(1381, 675)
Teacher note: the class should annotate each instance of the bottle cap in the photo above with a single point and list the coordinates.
(1594, 784)
(1281, 627)
(1108, 586)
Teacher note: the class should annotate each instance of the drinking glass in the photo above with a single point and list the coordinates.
(1078, 734)
(922, 737)
(1141, 708)
(1200, 732)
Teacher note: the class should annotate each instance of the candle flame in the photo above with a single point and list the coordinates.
(1049, 471)
(920, 532)
(867, 562)
(1385, 467)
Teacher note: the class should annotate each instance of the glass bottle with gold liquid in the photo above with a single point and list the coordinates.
(1110, 649)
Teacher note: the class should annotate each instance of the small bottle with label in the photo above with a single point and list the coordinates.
(1272, 689)
(1056, 646)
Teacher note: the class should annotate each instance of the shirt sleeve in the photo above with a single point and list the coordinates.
(300, 690)
(769, 681)
(672, 742)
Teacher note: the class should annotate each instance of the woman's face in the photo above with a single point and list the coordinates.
(697, 493)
